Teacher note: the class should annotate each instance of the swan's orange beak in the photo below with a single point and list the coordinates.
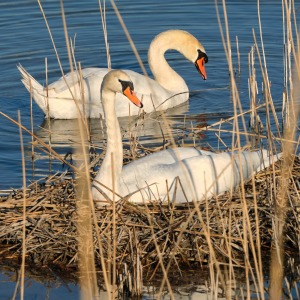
(200, 67)
(129, 93)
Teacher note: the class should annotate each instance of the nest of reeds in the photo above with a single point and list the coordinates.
(183, 234)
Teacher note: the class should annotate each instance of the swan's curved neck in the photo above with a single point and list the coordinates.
(160, 68)
(114, 151)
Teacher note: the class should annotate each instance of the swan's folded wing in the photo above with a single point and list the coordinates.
(72, 79)
(188, 174)
(201, 176)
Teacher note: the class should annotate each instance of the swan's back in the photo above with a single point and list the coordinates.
(196, 177)
(71, 79)
(148, 90)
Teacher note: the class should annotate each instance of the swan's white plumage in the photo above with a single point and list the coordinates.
(202, 174)
(168, 89)
(190, 174)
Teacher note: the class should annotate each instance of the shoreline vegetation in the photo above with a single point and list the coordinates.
(176, 233)
(249, 236)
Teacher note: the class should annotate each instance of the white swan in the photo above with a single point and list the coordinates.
(179, 174)
(168, 89)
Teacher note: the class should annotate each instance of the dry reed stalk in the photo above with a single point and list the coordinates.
(113, 236)
(282, 201)
(32, 128)
(22, 275)
(238, 55)
(48, 110)
(87, 271)
(103, 21)
(256, 125)
(227, 49)
(267, 96)
(266, 82)
(16, 287)
(247, 235)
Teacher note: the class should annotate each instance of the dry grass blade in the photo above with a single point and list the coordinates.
(87, 271)
(22, 276)
(282, 202)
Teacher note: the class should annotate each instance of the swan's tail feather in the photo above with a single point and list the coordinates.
(29, 82)
(35, 89)
(268, 159)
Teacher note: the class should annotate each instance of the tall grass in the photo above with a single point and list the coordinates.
(290, 117)
(22, 276)
(86, 257)
(246, 234)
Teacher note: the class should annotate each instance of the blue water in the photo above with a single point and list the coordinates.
(24, 39)
(35, 290)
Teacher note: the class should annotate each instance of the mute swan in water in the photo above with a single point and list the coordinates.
(202, 174)
(168, 89)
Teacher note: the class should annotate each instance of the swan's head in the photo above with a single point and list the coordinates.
(185, 43)
(118, 81)
(201, 60)
(193, 50)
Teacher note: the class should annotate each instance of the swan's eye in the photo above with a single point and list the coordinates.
(126, 84)
(202, 54)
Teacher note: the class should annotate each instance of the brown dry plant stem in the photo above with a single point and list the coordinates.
(290, 120)
(87, 273)
(103, 21)
(236, 142)
(282, 203)
(86, 253)
(24, 211)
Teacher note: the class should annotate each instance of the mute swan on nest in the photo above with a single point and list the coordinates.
(168, 89)
(179, 174)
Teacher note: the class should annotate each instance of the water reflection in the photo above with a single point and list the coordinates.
(42, 284)
(48, 284)
(148, 128)
(140, 133)
(57, 283)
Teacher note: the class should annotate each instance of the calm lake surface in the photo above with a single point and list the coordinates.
(24, 39)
